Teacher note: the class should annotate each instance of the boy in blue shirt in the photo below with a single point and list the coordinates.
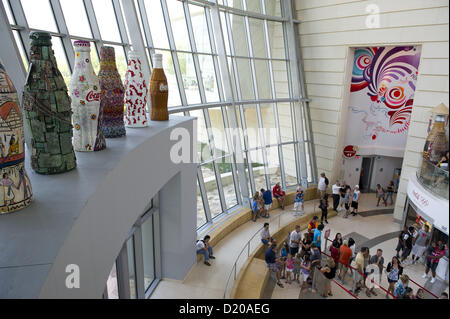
(317, 236)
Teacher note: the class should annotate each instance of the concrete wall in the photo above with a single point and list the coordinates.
(330, 28)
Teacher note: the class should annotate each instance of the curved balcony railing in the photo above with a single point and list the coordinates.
(433, 178)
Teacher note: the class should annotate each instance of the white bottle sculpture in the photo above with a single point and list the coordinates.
(136, 92)
(85, 93)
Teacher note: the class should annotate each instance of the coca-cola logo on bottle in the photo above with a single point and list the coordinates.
(91, 96)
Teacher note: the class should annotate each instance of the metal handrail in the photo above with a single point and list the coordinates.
(433, 178)
(247, 245)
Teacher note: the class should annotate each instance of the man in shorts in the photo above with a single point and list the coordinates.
(273, 263)
(434, 254)
(355, 199)
(294, 240)
(421, 242)
(267, 197)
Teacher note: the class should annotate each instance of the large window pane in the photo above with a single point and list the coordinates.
(269, 127)
(258, 37)
(200, 28)
(203, 149)
(254, 6)
(226, 175)
(61, 59)
(201, 217)
(174, 93)
(211, 189)
(237, 4)
(189, 78)
(157, 24)
(225, 33)
(290, 171)
(252, 126)
(239, 35)
(276, 39)
(273, 163)
(179, 27)
(263, 79)
(285, 118)
(209, 78)
(280, 76)
(75, 17)
(21, 49)
(106, 20)
(111, 284)
(131, 267)
(272, 7)
(148, 252)
(258, 169)
(42, 21)
(218, 129)
(245, 79)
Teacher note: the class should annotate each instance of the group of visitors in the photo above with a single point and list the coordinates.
(385, 194)
(343, 199)
(262, 201)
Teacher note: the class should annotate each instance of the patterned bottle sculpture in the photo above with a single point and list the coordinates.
(86, 94)
(47, 110)
(112, 100)
(16, 192)
(135, 93)
(159, 91)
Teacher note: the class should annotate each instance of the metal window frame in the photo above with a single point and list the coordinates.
(126, 13)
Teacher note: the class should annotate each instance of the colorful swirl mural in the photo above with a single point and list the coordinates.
(385, 79)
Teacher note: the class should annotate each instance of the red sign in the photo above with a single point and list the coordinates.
(350, 151)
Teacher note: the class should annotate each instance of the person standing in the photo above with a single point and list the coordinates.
(267, 196)
(338, 240)
(294, 240)
(378, 261)
(407, 243)
(400, 245)
(396, 182)
(322, 185)
(313, 225)
(265, 234)
(297, 267)
(273, 263)
(298, 202)
(279, 194)
(420, 242)
(347, 200)
(434, 254)
(345, 254)
(390, 192)
(380, 195)
(334, 251)
(255, 207)
(324, 208)
(355, 199)
(317, 239)
(329, 271)
(358, 273)
(342, 192)
(289, 268)
(315, 259)
(394, 270)
(336, 194)
(204, 248)
(306, 245)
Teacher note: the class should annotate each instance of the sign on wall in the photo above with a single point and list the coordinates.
(381, 98)
(350, 151)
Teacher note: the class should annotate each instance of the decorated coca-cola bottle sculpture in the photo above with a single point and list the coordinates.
(136, 92)
(112, 99)
(16, 192)
(159, 91)
(86, 94)
(47, 110)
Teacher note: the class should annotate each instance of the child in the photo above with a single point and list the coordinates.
(297, 267)
(289, 268)
(400, 289)
(306, 267)
(347, 197)
(380, 195)
(284, 254)
(419, 294)
(255, 207)
(298, 202)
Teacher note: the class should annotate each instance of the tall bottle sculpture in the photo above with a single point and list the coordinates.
(86, 94)
(112, 100)
(136, 93)
(159, 91)
(16, 192)
(47, 110)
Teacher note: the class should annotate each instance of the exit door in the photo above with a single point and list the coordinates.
(366, 174)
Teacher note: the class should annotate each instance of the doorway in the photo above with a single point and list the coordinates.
(366, 174)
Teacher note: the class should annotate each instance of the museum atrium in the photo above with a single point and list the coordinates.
(132, 129)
